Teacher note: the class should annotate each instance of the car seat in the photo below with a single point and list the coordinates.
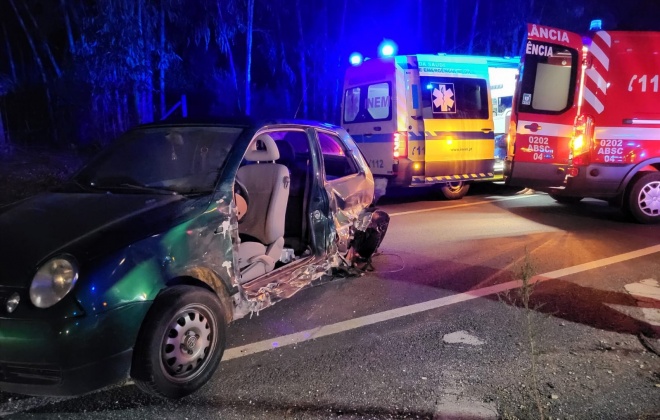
(262, 228)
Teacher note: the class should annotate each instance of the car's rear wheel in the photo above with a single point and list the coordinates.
(180, 342)
(455, 190)
(644, 198)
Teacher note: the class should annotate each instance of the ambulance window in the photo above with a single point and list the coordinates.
(368, 103)
(548, 78)
(378, 101)
(454, 98)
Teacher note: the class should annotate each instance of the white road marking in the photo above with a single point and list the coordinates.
(476, 203)
(326, 330)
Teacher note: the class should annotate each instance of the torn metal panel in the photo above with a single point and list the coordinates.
(267, 290)
(348, 199)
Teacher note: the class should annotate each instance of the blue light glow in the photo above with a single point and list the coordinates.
(387, 48)
(596, 25)
(429, 86)
(355, 59)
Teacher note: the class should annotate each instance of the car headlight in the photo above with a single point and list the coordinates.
(53, 281)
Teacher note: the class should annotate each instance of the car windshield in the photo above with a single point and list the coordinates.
(180, 160)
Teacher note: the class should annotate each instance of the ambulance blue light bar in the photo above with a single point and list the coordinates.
(355, 59)
(387, 48)
(596, 25)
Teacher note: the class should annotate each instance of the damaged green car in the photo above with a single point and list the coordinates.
(135, 266)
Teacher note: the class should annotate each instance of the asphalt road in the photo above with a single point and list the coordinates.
(443, 327)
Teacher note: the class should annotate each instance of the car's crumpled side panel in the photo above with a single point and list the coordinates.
(349, 202)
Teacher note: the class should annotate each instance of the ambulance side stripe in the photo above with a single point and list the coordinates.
(459, 135)
(373, 138)
(600, 55)
(598, 79)
(593, 101)
(624, 133)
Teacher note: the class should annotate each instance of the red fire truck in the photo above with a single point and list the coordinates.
(586, 118)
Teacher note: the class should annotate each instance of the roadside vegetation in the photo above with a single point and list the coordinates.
(534, 400)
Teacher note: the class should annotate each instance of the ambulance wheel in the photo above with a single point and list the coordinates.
(455, 190)
(565, 200)
(644, 198)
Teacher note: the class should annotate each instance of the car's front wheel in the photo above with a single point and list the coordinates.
(180, 343)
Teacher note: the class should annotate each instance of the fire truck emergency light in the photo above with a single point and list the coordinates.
(355, 59)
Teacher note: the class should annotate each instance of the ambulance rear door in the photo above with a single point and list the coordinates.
(458, 120)
(545, 108)
(369, 111)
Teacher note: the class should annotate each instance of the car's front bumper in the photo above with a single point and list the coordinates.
(68, 356)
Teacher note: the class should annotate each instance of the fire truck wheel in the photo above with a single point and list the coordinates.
(565, 200)
(455, 190)
(644, 198)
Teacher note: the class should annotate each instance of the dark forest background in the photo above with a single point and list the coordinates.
(74, 74)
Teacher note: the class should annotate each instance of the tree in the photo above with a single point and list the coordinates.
(248, 56)
(473, 27)
(6, 86)
(36, 56)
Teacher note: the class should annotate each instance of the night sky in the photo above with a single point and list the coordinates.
(85, 70)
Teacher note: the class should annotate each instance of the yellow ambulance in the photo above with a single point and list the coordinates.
(429, 119)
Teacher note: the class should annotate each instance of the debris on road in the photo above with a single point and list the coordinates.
(462, 337)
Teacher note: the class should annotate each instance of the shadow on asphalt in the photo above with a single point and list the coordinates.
(128, 397)
(558, 298)
(433, 193)
(590, 212)
(583, 305)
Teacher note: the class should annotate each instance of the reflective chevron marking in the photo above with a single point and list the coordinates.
(445, 178)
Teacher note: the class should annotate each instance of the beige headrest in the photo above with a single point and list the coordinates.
(256, 152)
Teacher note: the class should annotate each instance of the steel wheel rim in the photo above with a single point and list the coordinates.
(648, 200)
(188, 343)
(455, 186)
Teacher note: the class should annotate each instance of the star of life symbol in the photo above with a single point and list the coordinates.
(443, 98)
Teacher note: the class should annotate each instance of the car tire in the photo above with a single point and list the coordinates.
(455, 190)
(565, 199)
(644, 198)
(180, 343)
